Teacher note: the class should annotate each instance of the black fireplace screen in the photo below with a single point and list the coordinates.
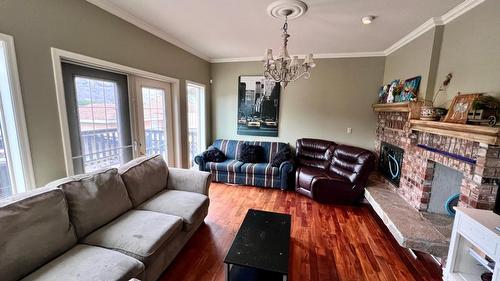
(390, 162)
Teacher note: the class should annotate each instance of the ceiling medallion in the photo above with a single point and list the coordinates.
(285, 69)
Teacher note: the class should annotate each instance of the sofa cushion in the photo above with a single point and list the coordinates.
(314, 153)
(94, 199)
(144, 177)
(136, 233)
(213, 154)
(231, 148)
(191, 207)
(84, 262)
(251, 153)
(34, 229)
(260, 169)
(352, 162)
(285, 154)
(230, 165)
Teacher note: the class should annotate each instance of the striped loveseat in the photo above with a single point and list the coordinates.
(258, 174)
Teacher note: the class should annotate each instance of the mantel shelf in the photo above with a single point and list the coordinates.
(482, 134)
(412, 107)
(392, 107)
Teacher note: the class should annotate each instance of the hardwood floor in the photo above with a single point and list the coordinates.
(327, 242)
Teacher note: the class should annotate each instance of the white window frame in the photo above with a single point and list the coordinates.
(15, 133)
(203, 117)
(59, 56)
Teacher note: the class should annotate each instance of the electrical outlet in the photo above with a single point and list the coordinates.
(349, 130)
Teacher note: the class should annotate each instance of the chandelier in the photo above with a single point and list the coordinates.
(285, 69)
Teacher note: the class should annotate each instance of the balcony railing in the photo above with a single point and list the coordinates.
(102, 148)
(194, 144)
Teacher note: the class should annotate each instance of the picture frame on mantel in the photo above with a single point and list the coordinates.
(460, 107)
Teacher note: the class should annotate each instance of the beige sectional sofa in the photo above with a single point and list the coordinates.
(115, 224)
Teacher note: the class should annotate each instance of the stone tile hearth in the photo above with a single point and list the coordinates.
(421, 231)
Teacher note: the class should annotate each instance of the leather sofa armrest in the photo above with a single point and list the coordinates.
(189, 180)
(200, 161)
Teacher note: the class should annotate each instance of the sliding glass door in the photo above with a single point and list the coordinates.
(97, 104)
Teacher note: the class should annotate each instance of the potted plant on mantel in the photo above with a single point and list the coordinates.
(430, 113)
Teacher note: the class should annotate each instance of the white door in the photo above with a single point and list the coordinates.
(154, 119)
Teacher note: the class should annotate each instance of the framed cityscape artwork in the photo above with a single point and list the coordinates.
(258, 106)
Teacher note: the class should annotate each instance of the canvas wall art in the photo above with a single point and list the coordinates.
(258, 106)
(410, 89)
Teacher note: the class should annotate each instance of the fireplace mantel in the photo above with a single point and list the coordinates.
(481, 134)
(412, 107)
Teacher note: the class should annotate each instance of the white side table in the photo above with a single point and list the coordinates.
(474, 235)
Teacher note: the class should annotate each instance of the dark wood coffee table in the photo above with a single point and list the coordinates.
(260, 249)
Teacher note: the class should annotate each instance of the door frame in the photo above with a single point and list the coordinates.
(59, 55)
(139, 112)
(203, 117)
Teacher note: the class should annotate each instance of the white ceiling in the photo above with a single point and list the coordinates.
(221, 29)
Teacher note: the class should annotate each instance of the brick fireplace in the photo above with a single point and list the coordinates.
(470, 150)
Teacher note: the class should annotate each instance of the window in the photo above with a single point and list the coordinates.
(98, 118)
(155, 125)
(16, 172)
(196, 120)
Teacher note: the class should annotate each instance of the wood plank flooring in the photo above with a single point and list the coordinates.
(327, 242)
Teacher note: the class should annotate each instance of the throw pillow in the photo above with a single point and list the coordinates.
(251, 153)
(213, 154)
(281, 156)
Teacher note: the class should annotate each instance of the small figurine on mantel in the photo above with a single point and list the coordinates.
(392, 91)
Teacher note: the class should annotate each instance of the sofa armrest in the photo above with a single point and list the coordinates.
(285, 168)
(189, 180)
(200, 161)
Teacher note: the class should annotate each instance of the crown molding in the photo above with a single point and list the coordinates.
(113, 9)
(452, 14)
(459, 10)
(417, 32)
(316, 56)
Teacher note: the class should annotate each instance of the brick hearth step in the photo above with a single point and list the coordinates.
(420, 231)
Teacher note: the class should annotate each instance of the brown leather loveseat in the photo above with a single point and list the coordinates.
(332, 173)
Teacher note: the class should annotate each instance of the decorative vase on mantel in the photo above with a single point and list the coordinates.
(430, 113)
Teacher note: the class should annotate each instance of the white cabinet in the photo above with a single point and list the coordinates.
(473, 238)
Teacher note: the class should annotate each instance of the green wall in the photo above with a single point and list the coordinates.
(338, 96)
(471, 51)
(414, 59)
(468, 47)
(78, 26)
